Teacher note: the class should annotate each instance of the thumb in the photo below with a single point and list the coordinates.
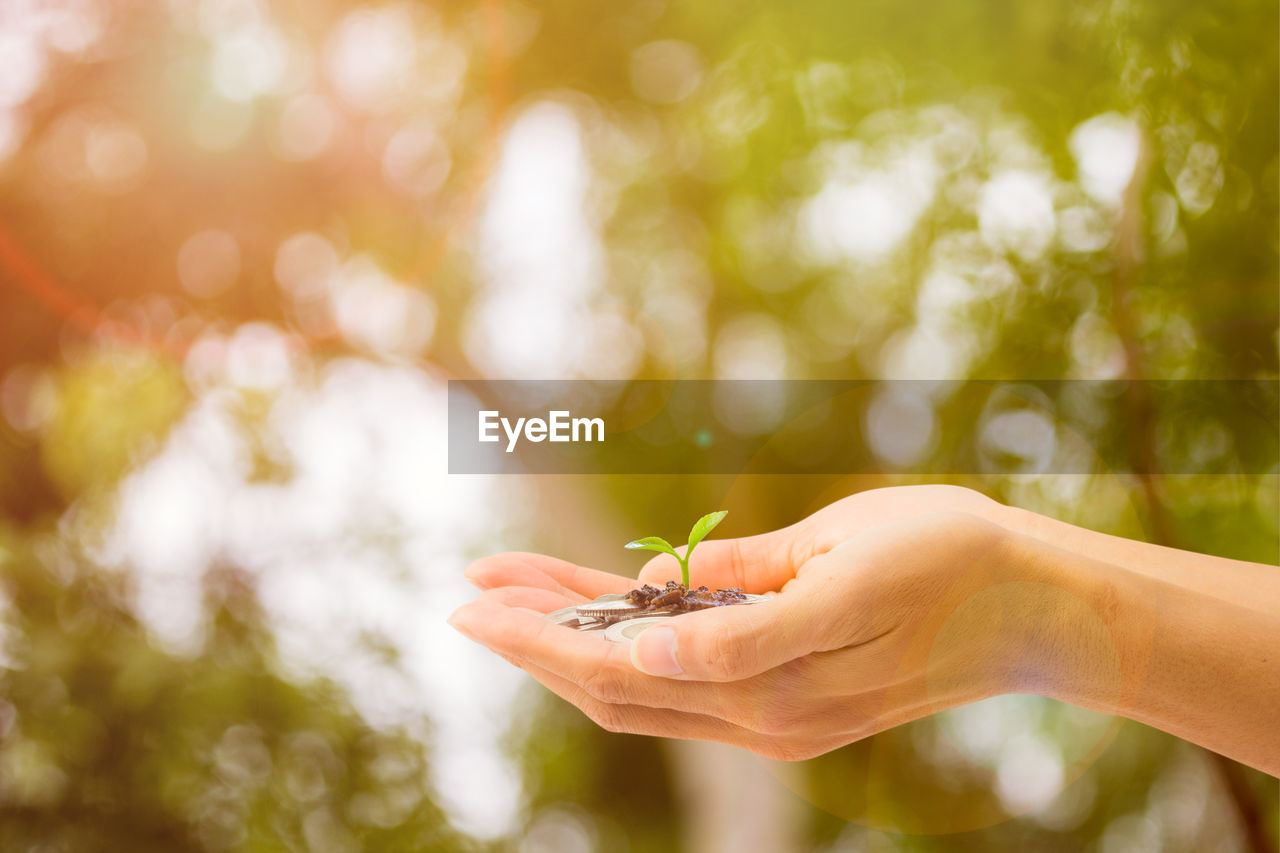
(739, 641)
(757, 564)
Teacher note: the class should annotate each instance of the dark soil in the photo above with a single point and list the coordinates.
(676, 597)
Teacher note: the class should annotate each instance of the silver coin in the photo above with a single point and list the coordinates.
(570, 618)
(625, 632)
(563, 615)
(611, 610)
(575, 617)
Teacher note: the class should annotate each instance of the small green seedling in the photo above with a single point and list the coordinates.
(696, 535)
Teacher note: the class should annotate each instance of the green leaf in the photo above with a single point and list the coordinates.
(653, 543)
(704, 526)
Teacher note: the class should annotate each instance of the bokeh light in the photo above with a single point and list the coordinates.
(245, 244)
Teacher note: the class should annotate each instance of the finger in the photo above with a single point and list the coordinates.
(641, 720)
(766, 703)
(756, 564)
(734, 643)
(604, 670)
(782, 734)
(601, 668)
(494, 621)
(609, 678)
(783, 701)
(531, 598)
(526, 569)
(791, 701)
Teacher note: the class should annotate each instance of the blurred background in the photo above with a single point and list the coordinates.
(243, 245)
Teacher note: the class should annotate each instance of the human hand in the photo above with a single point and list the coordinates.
(900, 602)
(768, 561)
(899, 621)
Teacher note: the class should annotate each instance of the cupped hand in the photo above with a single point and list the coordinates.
(768, 561)
(892, 622)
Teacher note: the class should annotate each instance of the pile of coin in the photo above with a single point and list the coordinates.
(621, 620)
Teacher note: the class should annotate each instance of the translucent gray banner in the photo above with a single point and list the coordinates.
(851, 427)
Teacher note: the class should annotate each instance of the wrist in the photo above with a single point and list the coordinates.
(1007, 619)
(1064, 641)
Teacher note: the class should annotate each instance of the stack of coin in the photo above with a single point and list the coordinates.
(619, 619)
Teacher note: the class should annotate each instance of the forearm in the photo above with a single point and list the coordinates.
(1168, 655)
(1252, 585)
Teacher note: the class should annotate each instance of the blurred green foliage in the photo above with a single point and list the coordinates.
(108, 741)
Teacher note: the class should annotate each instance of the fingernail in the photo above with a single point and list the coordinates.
(455, 621)
(654, 652)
